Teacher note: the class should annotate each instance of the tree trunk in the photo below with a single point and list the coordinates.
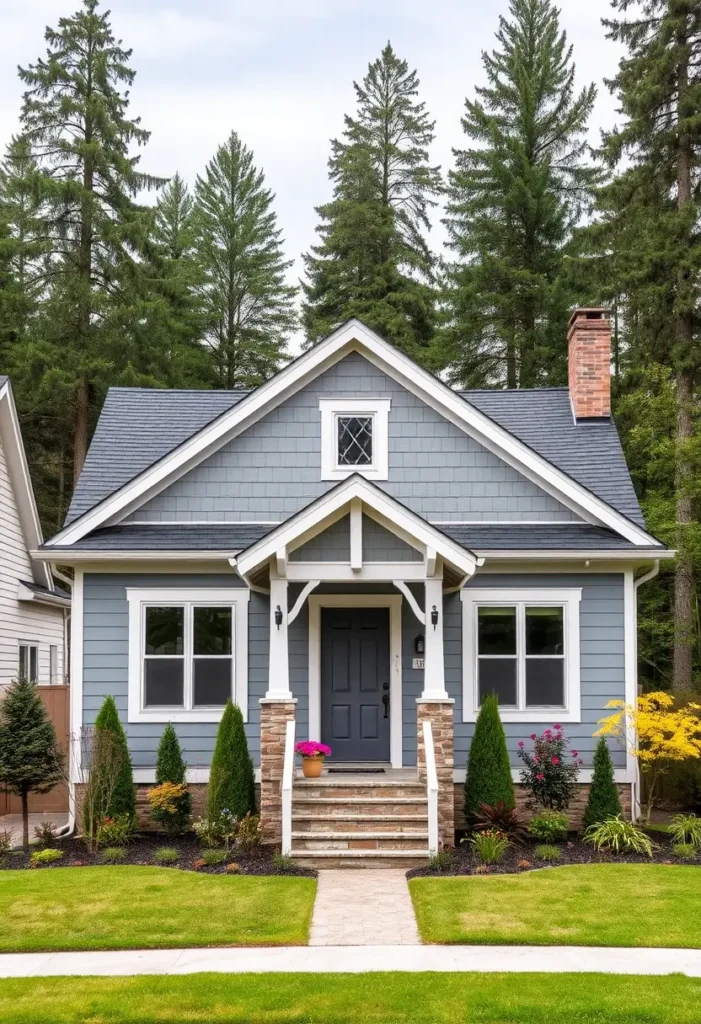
(684, 623)
(25, 821)
(80, 427)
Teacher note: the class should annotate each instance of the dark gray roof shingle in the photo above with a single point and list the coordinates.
(138, 426)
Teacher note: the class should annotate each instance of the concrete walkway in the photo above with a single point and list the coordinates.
(363, 908)
(356, 959)
(13, 824)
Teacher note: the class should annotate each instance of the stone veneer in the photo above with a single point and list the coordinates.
(575, 811)
(440, 715)
(274, 716)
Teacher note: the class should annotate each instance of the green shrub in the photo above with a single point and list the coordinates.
(685, 851)
(47, 856)
(549, 826)
(504, 819)
(212, 857)
(686, 828)
(113, 855)
(604, 801)
(548, 852)
(620, 836)
(5, 841)
(488, 780)
(45, 833)
(231, 778)
(170, 767)
(550, 770)
(248, 833)
(440, 861)
(220, 831)
(490, 846)
(115, 831)
(166, 855)
(283, 862)
(109, 800)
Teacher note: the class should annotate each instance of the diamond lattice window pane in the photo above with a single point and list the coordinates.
(355, 440)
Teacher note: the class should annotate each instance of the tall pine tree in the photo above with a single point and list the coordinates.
(75, 116)
(372, 260)
(514, 198)
(652, 210)
(248, 307)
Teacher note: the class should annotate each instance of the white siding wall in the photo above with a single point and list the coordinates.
(21, 621)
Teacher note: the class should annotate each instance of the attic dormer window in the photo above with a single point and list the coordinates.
(354, 437)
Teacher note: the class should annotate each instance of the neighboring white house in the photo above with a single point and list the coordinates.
(33, 610)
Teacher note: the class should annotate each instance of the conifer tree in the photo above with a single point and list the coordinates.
(488, 779)
(231, 777)
(372, 260)
(651, 209)
(30, 759)
(75, 116)
(123, 796)
(248, 308)
(604, 801)
(514, 198)
(170, 767)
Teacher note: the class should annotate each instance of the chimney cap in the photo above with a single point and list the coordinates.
(589, 313)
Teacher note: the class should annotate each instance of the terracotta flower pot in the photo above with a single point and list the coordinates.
(311, 766)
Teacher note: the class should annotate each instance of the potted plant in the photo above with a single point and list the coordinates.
(312, 754)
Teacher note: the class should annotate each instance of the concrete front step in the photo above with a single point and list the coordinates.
(315, 823)
(358, 840)
(361, 806)
(334, 791)
(361, 858)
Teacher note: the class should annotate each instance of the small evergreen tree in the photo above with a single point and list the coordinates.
(30, 758)
(488, 778)
(170, 767)
(123, 796)
(231, 778)
(603, 801)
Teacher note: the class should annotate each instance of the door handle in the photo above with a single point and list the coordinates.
(385, 701)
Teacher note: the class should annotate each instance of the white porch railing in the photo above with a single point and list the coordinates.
(431, 789)
(287, 777)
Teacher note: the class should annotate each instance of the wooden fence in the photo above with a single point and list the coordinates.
(56, 702)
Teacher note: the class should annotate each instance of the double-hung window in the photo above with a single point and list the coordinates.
(28, 664)
(187, 653)
(522, 646)
(354, 437)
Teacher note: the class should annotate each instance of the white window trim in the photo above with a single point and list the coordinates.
(138, 599)
(331, 409)
(569, 600)
(29, 644)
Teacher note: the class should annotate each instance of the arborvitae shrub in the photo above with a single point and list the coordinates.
(231, 779)
(488, 778)
(170, 767)
(604, 801)
(123, 797)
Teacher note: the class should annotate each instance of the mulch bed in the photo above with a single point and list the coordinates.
(141, 848)
(520, 857)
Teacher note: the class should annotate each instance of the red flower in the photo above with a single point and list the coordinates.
(533, 736)
(575, 753)
(556, 760)
(540, 776)
(535, 758)
(557, 725)
(521, 743)
(580, 761)
(548, 732)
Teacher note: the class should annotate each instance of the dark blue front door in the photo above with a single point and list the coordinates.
(355, 683)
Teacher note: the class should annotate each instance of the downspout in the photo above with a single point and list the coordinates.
(645, 578)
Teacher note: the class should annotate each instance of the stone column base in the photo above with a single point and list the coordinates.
(440, 715)
(274, 716)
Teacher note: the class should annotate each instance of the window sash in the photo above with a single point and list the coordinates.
(521, 657)
(53, 665)
(28, 662)
(187, 657)
(337, 440)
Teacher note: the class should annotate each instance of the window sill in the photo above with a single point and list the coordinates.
(533, 715)
(343, 472)
(163, 715)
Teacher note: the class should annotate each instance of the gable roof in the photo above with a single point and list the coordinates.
(20, 480)
(92, 509)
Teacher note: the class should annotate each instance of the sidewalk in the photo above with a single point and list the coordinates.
(356, 959)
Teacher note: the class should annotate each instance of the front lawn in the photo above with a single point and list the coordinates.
(347, 999)
(139, 908)
(591, 905)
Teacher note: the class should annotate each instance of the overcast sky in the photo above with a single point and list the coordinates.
(280, 74)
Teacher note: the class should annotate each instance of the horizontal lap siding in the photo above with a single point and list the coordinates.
(273, 469)
(106, 655)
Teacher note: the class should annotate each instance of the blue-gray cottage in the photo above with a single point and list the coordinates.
(355, 553)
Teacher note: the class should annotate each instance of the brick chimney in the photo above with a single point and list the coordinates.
(589, 363)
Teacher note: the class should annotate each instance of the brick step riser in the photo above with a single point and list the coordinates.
(375, 863)
(394, 792)
(362, 825)
(366, 808)
(400, 843)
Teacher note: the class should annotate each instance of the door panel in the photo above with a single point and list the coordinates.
(355, 671)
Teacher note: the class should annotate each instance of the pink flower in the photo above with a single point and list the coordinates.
(540, 777)
(535, 758)
(310, 748)
(548, 732)
(580, 761)
(556, 760)
(521, 744)
(557, 726)
(575, 753)
(533, 736)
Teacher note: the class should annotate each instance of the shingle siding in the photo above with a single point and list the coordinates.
(273, 469)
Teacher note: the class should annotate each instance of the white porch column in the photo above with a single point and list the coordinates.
(434, 667)
(279, 666)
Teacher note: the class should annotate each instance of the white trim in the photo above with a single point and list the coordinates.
(630, 659)
(378, 410)
(311, 520)
(342, 571)
(25, 593)
(203, 522)
(394, 603)
(138, 598)
(299, 603)
(431, 787)
(413, 604)
(570, 600)
(351, 337)
(278, 651)
(288, 771)
(70, 557)
(356, 535)
(75, 693)
(621, 775)
(585, 554)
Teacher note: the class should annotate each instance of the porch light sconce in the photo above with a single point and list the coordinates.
(420, 644)
(434, 616)
(278, 616)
